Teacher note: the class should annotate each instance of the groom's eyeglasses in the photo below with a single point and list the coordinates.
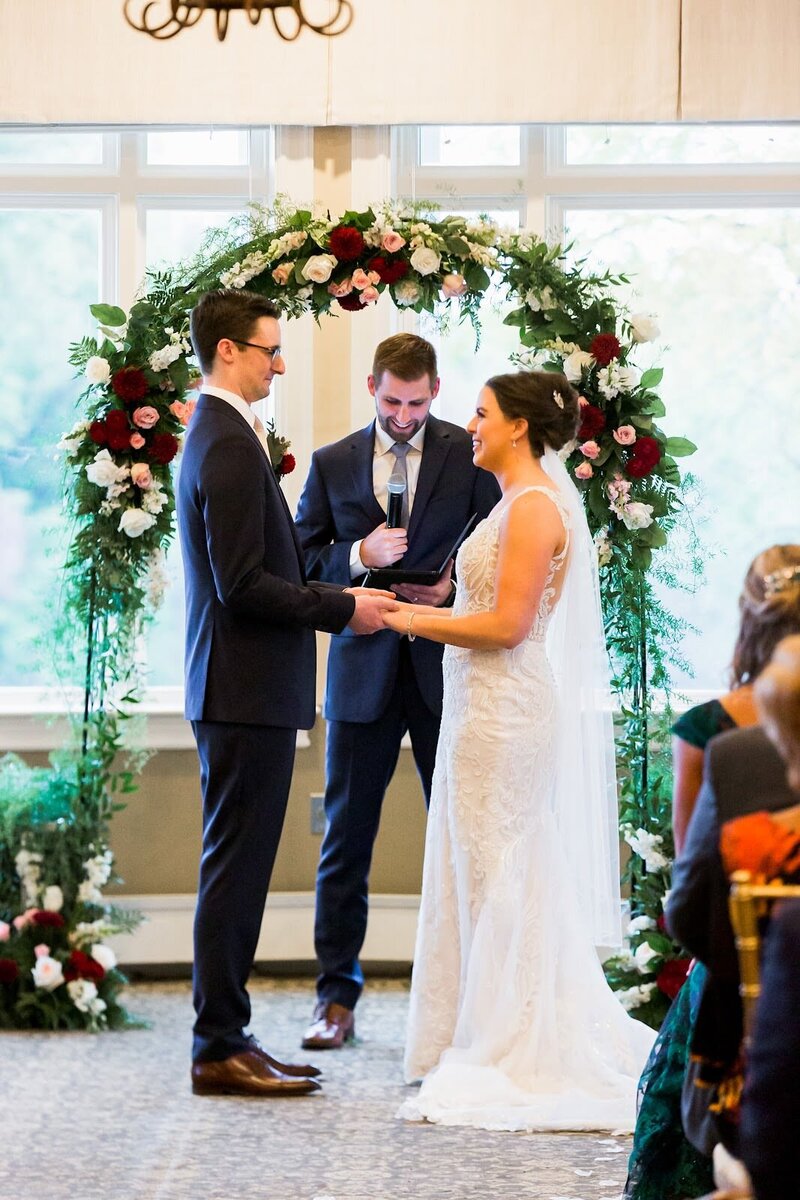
(273, 351)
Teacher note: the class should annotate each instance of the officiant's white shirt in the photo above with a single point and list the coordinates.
(383, 464)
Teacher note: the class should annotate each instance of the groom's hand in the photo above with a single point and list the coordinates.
(371, 604)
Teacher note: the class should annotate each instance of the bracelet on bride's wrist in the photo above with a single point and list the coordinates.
(411, 636)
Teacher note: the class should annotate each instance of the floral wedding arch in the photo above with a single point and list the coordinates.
(55, 969)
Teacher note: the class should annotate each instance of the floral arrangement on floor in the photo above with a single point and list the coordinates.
(119, 491)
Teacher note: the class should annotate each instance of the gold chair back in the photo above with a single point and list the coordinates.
(749, 903)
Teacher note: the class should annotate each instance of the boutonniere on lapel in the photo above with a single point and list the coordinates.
(283, 463)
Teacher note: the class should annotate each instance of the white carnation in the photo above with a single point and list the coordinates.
(425, 261)
(47, 973)
(105, 956)
(319, 267)
(628, 379)
(82, 992)
(97, 369)
(135, 522)
(406, 292)
(153, 500)
(104, 471)
(644, 328)
(633, 997)
(53, 899)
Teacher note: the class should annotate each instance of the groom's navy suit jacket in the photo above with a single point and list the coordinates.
(250, 616)
(338, 507)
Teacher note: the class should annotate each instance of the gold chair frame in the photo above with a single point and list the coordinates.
(748, 903)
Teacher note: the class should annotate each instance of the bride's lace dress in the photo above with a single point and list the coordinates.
(511, 1021)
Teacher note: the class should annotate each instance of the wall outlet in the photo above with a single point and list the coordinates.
(317, 813)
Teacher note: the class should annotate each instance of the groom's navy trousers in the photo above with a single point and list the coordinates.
(377, 687)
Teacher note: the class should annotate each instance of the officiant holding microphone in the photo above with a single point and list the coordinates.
(396, 495)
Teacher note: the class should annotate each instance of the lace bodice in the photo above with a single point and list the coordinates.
(476, 565)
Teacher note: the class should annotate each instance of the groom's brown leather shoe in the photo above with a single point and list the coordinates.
(333, 1025)
(298, 1070)
(247, 1074)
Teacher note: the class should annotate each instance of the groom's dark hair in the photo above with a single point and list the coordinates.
(545, 399)
(225, 313)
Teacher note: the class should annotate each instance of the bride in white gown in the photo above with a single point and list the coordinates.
(512, 1024)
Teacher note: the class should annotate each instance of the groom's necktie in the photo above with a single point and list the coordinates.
(261, 434)
(400, 451)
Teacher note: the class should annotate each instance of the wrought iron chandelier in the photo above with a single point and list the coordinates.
(182, 14)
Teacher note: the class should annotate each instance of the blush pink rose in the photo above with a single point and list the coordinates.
(183, 412)
(590, 449)
(391, 242)
(137, 441)
(142, 476)
(360, 279)
(5, 931)
(625, 435)
(145, 417)
(369, 295)
(341, 289)
(582, 401)
(283, 273)
(454, 285)
(41, 951)
(584, 471)
(23, 919)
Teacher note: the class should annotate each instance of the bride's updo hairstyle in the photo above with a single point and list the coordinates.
(769, 608)
(545, 399)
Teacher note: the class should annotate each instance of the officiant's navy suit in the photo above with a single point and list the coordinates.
(378, 687)
(250, 684)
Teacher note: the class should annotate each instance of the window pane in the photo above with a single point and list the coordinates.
(463, 368)
(199, 148)
(43, 149)
(50, 265)
(723, 283)
(469, 145)
(172, 234)
(649, 145)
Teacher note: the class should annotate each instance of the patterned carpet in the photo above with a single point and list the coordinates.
(113, 1118)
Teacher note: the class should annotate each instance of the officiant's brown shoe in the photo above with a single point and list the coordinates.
(333, 1025)
(298, 1070)
(247, 1074)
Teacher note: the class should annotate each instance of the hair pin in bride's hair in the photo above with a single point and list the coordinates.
(559, 399)
(779, 581)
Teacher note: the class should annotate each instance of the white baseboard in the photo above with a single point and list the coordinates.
(287, 932)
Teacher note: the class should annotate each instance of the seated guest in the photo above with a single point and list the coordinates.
(769, 1142)
(664, 1165)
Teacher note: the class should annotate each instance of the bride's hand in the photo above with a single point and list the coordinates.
(397, 619)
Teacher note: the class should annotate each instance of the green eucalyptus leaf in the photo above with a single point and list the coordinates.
(679, 447)
(651, 378)
(108, 314)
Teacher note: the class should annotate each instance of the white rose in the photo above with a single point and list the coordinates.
(53, 900)
(82, 992)
(319, 268)
(105, 956)
(135, 521)
(104, 471)
(97, 369)
(644, 328)
(47, 973)
(575, 363)
(643, 956)
(637, 515)
(425, 261)
(406, 292)
(640, 924)
(628, 378)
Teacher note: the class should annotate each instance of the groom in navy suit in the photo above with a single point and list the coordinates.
(378, 688)
(250, 674)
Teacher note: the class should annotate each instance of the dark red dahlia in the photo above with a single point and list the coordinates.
(670, 979)
(351, 303)
(163, 448)
(593, 421)
(346, 243)
(391, 270)
(645, 455)
(287, 464)
(603, 348)
(82, 966)
(97, 432)
(9, 970)
(118, 429)
(45, 918)
(129, 384)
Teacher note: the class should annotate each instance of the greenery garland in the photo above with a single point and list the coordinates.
(54, 857)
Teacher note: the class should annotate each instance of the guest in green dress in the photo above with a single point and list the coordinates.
(663, 1164)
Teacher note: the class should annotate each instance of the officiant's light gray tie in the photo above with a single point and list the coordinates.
(400, 451)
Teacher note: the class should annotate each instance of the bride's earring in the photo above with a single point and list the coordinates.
(513, 443)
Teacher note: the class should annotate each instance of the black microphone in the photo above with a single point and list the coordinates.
(394, 506)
